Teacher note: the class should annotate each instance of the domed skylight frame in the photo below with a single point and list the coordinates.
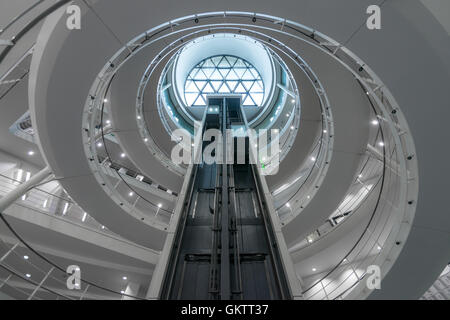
(224, 74)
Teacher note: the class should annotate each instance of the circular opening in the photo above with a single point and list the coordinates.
(224, 74)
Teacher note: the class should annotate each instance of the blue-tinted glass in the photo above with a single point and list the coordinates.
(223, 75)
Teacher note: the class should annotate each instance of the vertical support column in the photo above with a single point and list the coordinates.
(225, 241)
(22, 189)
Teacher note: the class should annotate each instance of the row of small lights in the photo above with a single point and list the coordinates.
(288, 205)
(375, 122)
(123, 155)
(381, 144)
(45, 203)
(345, 260)
(124, 278)
(132, 194)
(66, 206)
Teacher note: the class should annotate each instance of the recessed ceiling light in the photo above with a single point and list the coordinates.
(379, 248)
(287, 114)
(375, 122)
(131, 194)
(292, 127)
(122, 292)
(124, 278)
(31, 152)
(105, 100)
(108, 121)
(310, 240)
(293, 100)
(159, 205)
(146, 140)
(381, 144)
(309, 197)
(313, 159)
(139, 117)
(26, 257)
(288, 205)
(123, 155)
(28, 275)
(360, 176)
(324, 131)
(314, 269)
(99, 144)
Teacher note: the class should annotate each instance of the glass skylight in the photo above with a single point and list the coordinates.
(221, 75)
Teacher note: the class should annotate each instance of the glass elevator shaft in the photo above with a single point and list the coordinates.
(224, 246)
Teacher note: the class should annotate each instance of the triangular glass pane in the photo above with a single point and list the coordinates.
(254, 73)
(190, 87)
(248, 84)
(200, 76)
(248, 102)
(200, 101)
(224, 63)
(231, 60)
(240, 72)
(190, 98)
(208, 89)
(216, 75)
(216, 85)
(258, 86)
(224, 72)
(216, 60)
(240, 64)
(209, 64)
(240, 89)
(248, 76)
(200, 84)
(258, 98)
(208, 72)
(232, 75)
(194, 73)
(224, 89)
(232, 85)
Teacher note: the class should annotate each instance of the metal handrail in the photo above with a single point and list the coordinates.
(18, 17)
